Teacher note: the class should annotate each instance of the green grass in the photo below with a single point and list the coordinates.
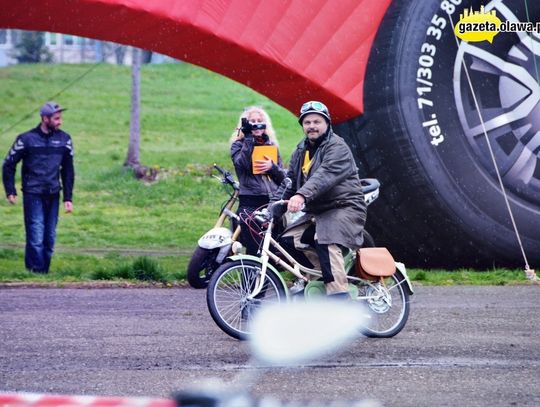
(187, 117)
(77, 268)
(467, 277)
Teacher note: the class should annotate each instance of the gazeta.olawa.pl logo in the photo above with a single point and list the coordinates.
(476, 26)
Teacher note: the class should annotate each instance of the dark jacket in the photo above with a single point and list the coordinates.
(254, 184)
(46, 159)
(332, 191)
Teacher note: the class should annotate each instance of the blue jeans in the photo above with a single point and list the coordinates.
(40, 219)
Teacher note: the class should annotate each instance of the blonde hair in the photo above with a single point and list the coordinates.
(238, 135)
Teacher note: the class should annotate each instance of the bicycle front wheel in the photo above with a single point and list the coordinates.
(387, 303)
(228, 295)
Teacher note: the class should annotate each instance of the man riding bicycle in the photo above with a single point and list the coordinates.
(324, 180)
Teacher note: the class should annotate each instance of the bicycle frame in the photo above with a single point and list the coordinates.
(218, 234)
(227, 212)
(246, 283)
(300, 271)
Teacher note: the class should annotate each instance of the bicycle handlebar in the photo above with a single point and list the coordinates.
(228, 178)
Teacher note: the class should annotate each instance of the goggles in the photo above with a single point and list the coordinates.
(313, 106)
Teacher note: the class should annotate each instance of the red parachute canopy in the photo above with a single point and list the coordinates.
(290, 51)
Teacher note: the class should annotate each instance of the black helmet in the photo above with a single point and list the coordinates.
(314, 107)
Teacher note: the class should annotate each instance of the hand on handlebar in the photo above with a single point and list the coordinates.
(296, 203)
(278, 208)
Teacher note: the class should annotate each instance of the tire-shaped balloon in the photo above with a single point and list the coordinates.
(441, 204)
(368, 240)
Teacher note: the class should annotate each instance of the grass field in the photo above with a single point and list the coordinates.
(187, 117)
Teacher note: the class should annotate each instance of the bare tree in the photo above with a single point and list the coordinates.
(133, 154)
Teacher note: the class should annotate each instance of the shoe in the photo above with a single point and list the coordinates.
(38, 271)
(297, 287)
(340, 297)
(250, 308)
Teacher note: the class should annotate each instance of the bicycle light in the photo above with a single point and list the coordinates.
(236, 247)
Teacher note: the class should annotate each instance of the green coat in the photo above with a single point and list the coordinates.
(332, 191)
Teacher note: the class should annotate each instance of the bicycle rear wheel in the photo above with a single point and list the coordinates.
(387, 303)
(228, 292)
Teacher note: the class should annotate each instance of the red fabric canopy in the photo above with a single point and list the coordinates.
(288, 50)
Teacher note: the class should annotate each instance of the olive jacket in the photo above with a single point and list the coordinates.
(332, 191)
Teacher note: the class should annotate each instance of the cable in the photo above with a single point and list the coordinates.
(69, 85)
(532, 42)
(528, 271)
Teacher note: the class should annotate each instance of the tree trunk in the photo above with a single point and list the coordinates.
(120, 52)
(83, 49)
(99, 51)
(133, 155)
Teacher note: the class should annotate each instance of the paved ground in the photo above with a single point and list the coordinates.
(462, 346)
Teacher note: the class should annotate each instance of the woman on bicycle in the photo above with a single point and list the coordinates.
(259, 175)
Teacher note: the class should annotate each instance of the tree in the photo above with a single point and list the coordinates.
(133, 155)
(31, 48)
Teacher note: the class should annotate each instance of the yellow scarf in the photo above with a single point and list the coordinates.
(307, 164)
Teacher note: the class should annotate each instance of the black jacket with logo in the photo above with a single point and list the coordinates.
(46, 158)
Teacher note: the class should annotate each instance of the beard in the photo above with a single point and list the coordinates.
(51, 127)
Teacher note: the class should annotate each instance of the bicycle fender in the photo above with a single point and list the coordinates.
(215, 237)
(403, 271)
(271, 267)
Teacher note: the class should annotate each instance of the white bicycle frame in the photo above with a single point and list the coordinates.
(297, 269)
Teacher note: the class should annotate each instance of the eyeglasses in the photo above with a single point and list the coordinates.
(313, 105)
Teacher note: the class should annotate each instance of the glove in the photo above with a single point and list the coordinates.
(246, 127)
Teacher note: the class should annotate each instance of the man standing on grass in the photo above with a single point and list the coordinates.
(47, 155)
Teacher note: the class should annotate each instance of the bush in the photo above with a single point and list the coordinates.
(147, 269)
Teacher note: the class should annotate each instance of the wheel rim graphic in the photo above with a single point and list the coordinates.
(504, 76)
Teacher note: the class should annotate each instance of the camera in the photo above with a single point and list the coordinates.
(248, 127)
(258, 126)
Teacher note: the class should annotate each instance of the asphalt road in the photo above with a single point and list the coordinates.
(462, 346)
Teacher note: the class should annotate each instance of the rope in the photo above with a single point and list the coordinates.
(530, 274)
(532, 42)
(69, 85)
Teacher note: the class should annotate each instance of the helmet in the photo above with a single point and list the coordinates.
(314, 107)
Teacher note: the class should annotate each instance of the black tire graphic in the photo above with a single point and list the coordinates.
(368, 240)
(440, 203)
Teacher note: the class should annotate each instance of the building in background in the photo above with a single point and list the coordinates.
(70, 49)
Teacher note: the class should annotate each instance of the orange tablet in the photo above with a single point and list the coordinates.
(260, 151)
